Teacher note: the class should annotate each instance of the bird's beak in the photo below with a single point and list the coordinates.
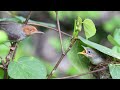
(83, 52)
(38, 32)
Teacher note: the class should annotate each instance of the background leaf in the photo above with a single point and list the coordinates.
(1, 73)
(116, 49)
(3, 37)
(115, 70)
(89, 28)
(100, 48)
(116, 35)
(111, 24)
(27, 68)
(112, 40)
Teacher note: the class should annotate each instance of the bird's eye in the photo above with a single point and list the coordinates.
(89, 51)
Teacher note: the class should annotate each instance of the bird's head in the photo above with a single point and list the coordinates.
(29, 30)
(88, 52)
(93, 55)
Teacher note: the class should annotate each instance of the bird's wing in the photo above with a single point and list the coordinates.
(13, 30)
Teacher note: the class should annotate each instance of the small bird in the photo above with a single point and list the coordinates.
(96, 59)
(17, 31)
(94, 56)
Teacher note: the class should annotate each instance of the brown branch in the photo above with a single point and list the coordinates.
(51, 28)
(28, 17)
(58, 26)
(68, 77)
(61, 58)
(5, 74)
(10, 56)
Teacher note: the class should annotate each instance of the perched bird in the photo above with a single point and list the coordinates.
(17, 31)
(96, 59)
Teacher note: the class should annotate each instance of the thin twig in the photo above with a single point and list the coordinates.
(61, 58)
(68, 77)
(58, 26)
(5, 74)
(51, 28)
(10, 56)
(28, 17)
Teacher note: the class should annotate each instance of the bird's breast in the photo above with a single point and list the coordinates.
(96, 61)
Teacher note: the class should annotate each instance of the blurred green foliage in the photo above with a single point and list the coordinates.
(55, 42)
(111, 24)
(1, 73)
(115, 40)
(71, 15)
(3, 37)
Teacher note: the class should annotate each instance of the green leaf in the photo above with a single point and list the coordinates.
(112, 40)
(100, 48)
(77, 27)
(116, 49)
(80, 62)
(72, 71)
(89, 28)
(4, 49)
(3, 37)
(116, 35)
(115, 70)
(1, 73)
(27, 68)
